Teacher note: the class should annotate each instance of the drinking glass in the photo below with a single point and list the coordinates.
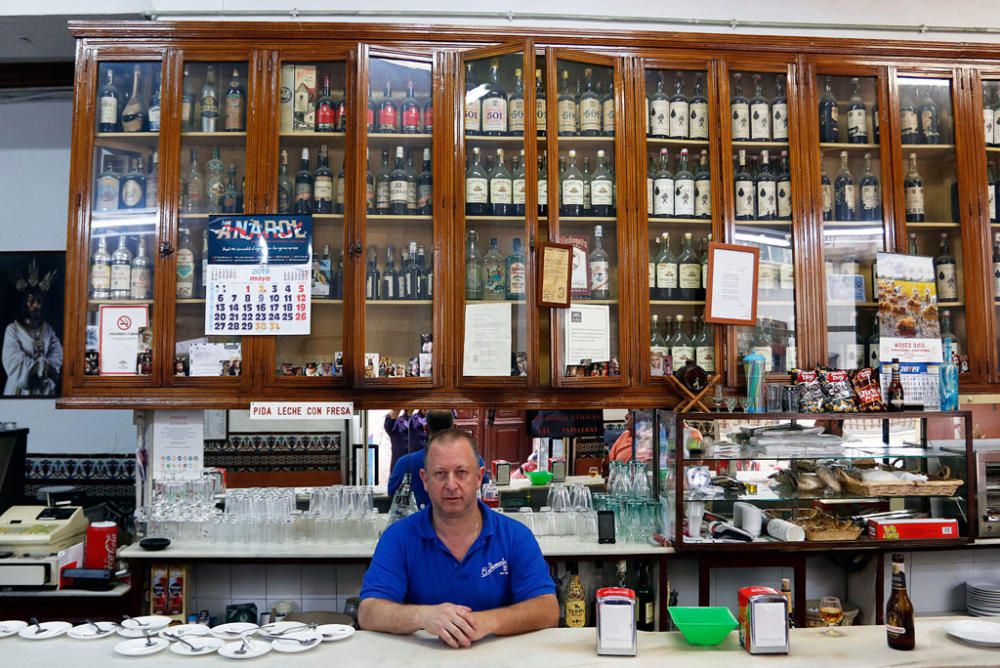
(730, 404)
(831, 612)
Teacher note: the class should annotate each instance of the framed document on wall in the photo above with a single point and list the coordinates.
(731, 293)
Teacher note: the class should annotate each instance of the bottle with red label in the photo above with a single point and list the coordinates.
(372, 110)
(428, 117)
(326, 110)
(411, 111)
(388, 112)
(341, 113)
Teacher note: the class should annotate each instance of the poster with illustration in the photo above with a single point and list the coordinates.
(907, 309)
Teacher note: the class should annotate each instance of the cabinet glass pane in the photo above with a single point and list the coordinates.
(679, 219)
(495, 234)
(399, 278)
(311, 180)
(124, 217)
(588, 214)
(930, 187)
(991, 126)
(852, 216)
(762, 188)
(213, 180)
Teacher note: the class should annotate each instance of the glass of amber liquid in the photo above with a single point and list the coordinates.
(831, 613)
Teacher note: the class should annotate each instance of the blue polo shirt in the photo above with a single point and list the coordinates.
(502, 567)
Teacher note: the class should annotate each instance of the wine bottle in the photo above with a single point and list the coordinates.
(909, 128)
(100, 271)
(326, 110)
(323, 183)
(599, 268)
(566, 108)
(501, 186)
(827, 191)
(857, 116)
(945, 272)
(703, 188)
(608, 110)
(516, 273)
(410, 111)
(681, 347)
(760, 113)
(871, 192)
(744, 189)
(779, 111)
(666, 271)
(108, 103)
(390, 277)
(657, 347)
(679, 110)
(783, 189)
(425, 183)
(284, 185)
(688, 270)
(494, 278)
(739, 110)
(398, 186)
(913, 187)
(234, 118)
(845, 198)
(829, 126)
(153, 114)
(766, 188)
(659, 112)
(134, 112)
(209, 102)
(543, 185)
(663, 188)
(684, 188)
(303, 186)
(388, 111)
(704, 347)
(602, 188)
(541, 112)
(121, 270)
(473, 108)
(473, 267)
(571, 191)
(373, 278)
(927, 116)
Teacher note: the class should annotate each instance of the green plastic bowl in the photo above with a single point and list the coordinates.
(703, 626)
(539, 477)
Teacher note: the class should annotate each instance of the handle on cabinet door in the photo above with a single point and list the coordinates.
(166, 249)
(356, 249)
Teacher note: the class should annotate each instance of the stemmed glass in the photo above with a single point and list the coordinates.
(730, 404)
(831, 613)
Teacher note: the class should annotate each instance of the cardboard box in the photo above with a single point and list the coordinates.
(71, 557)
(911, 529)
(285, 97)
(177, 592)
(158, 585)
(743, 596)
(304, 99)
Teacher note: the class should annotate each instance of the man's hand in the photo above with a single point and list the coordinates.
(453, 624)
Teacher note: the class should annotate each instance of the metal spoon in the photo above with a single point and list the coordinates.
(181, 640)
(291, 629)
(244, 647)
(35, 622)
(149, 639)
(138, 624)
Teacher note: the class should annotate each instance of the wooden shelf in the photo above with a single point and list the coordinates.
(659, 141)
(580, 301)
(127, 135)
(398, 136)
(845, 224)
(676, 302)
(316, 135)
(118, 214)
(119, 302)
(850, 148)
(951, 304)
(399, 302)
(384, 217)
(327, 302)
(215, 136)
(498, 219)
(328, 216)
(495, 301)
(759, 144)
(501, 139)
(587, 219)
(679, 221)
(933, 225)
(993, 149)
(189, 301)
(763, 223)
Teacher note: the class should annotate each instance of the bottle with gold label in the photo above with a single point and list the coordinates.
(576, 603)
(899, 610)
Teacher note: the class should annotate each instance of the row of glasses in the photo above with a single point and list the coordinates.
(629, 479)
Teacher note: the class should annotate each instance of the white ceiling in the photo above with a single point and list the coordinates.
(41, 38)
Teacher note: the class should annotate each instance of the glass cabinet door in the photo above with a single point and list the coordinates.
(503, 170)
(123, 233)
(764, 208)
(851, 176)
(679, 215)
(213, 177)
(584, 93)
(399, 254)
(312, 119)
(930, 196)
(991, 139)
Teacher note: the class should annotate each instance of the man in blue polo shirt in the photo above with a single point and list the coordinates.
(457, 569)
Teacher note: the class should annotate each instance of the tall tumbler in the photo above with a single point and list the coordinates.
(753, 366)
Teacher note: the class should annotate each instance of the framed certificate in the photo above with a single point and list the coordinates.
(731, 293)
(554, 282)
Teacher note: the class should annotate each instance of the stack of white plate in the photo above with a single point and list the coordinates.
(982, 599)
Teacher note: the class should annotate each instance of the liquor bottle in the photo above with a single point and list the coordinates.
(100, 271)
(494, 279)
(739, 110)
(397, 186)
(602, 188)
(766, 188)
(382, 181)
(587, 176)
(515, 106)
(698, 108)
(108, 102)
(704, 347)
(494, 105)
(703, 188)
(681, 347)
(473, 267)
(476, 187)
(589, 107)
(388, 111)
(899, 630)
(872, 347)
(188, 103)
(234, 118)
(185, 266)
(608, 110)
(857, 116)
(688, 270)
(403, 503)
(473, 108)
(302, 204)
(140, 283)
(519, 184)
(425, 182)
(786, 591)
(572, 189)
(895, 391)
(501, 188)
(153, 181)
(284, 185)
(876, 124)
(370, 200)
(761, 344)
(410, 111)
(989, 118)
(927, 116)
(703, 251)
(230, 197)
(745, 191)
(566, 108)
(323, 183)
(944, 272)
(948, 338)
(202, 279)
(913, 187)
(543, 185)
(411, 274)
(153, 115)
(576, 605)
(871, 193)
(326, 110)
(680, 110)
(390, 279)
(132, 188)
(411, 185)
(909, 125)
(194, 187)
(783, 189)
(373, 278)
(337, 279)
(991, 191)
(658, 112)
(826, 188)
(657, 348)
(215, 182)
(371, 115)
(341, 113)
(663, 188)
(209, 102)
(516, 272)
(779, 111)
(844, 196)
(760, 113)
(666, 271)
(428, 274)
(684, 189)
(340, 198)
(599, 268)
(541, 112)
(134, 111)
(829, 115)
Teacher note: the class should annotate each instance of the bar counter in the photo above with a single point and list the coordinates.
(861, 647)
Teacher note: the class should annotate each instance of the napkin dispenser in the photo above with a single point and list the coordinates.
(616, 622)
(766, 625)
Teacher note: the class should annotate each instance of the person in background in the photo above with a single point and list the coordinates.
(407, 433)
(32, 352)
(456, 569)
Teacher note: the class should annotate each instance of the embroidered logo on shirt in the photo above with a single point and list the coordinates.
(491, 567)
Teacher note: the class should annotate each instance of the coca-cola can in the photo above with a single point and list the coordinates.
(101, 546)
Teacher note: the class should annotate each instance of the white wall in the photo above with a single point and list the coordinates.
(34, 185)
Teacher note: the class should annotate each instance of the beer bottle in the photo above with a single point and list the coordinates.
(895, 388)
(576, 603)
(899, 611)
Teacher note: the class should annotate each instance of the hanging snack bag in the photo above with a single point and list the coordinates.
(810, 393)
(867, 390)
(838, 395)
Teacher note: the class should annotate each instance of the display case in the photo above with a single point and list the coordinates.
(863, 481)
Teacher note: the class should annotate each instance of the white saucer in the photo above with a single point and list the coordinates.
(10, 627)
(205, 645)
(88, 632)
(331, 632)
(290, 644)
(186, 631)
(985, 634)
(984, 587)
(45, 630)
(279, 629)
(139, 646)
(255, 648)
(138, 627)
(233, 630)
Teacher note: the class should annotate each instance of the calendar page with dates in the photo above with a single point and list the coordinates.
(259, 275)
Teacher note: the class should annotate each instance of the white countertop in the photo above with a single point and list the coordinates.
(861, 647)
(119, 589)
